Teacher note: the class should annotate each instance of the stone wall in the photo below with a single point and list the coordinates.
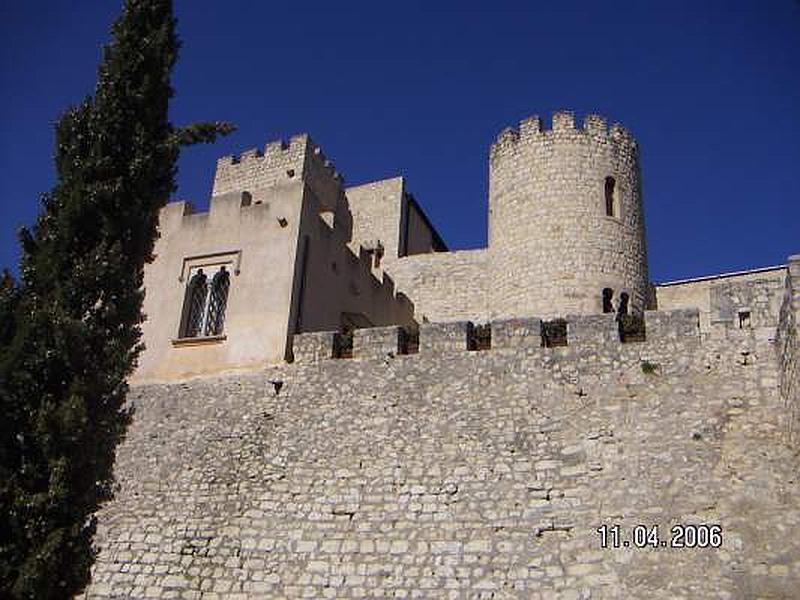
(445, 286)
(377, 211)
(788, 350)
(720, 297)
(461, 474)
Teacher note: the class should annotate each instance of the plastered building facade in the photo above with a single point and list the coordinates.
(408, 422)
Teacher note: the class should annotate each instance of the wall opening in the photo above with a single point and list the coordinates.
(744, 319)
(610, 194)
(217, 302)
(409, 340)
(554, 333)
(631, 328)
(624, 299)
(301, 292)
(481, 337)
(343, 344)
(608, 305)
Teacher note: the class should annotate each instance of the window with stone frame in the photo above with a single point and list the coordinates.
(205, 302)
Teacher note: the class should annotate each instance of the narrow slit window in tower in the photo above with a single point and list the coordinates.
(610, 189)
(623, 304)
(608, 295)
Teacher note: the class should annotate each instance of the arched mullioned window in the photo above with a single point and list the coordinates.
(195, 305)
(205, 303)
(217, 300)
(610, 192)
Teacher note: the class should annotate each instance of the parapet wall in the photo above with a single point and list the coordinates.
(461, 474)
(582, 333)
(277, 163)
(532, 131)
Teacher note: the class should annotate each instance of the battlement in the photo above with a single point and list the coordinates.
(573, 333)
(225, 211)
(532, 130)
(359, 264)
(279, 163)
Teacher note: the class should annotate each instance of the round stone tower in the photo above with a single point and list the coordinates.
(566, 227)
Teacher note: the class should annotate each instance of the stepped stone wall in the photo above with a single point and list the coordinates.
(788, 349)
(462, 474)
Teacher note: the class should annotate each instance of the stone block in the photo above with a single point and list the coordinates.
(376, 342)
(517, 333)
(679, 324)
(589, 330)
(793, 264)
(313, 347)
(445, 337)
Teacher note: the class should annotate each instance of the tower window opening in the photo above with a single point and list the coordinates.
(622, 309)
(744, 319)
(204, 304)
(608, 305)
(610, 192)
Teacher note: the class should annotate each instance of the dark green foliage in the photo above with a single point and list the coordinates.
(70, 331)
(649, 368)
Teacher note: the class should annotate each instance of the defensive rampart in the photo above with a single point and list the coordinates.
(467, 468)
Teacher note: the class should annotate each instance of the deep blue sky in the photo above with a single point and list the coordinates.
(710, 89)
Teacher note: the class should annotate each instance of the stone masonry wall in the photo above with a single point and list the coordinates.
(257, 169)
(720, 296)
(377, 211)
(445, 286)
(461, 474)
(788, 350)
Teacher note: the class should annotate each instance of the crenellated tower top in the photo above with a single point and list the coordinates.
(279, 163)
(532, 131)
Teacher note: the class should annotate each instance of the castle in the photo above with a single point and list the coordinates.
(286, 249)
(333, 405)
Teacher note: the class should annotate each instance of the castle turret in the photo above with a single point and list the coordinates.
(566, 227)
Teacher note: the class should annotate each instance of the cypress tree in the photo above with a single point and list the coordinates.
(70, 329)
